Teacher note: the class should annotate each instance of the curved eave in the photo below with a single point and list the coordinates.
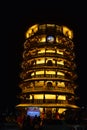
(48, 105)
(45, 78)
(49, 92)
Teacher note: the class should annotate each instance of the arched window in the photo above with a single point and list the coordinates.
(49, 85)
(49, 63)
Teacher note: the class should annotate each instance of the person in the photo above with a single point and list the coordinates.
(26, 123)
(36, 123)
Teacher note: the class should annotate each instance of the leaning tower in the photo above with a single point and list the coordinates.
(48, 70)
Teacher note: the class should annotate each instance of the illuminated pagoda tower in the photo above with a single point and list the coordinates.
(48, 69)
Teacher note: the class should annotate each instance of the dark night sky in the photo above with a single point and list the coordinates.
(16, 19)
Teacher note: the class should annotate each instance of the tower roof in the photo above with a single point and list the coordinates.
(61, 28)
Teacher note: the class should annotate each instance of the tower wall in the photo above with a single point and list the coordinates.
(48, 68)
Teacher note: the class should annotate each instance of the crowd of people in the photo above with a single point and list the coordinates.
(27, 122)
(35, 123)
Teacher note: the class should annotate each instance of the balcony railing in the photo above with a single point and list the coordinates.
(27, 56)
(46, 101)
(42, 89)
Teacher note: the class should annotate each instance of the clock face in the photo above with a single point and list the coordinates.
(50, 39)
